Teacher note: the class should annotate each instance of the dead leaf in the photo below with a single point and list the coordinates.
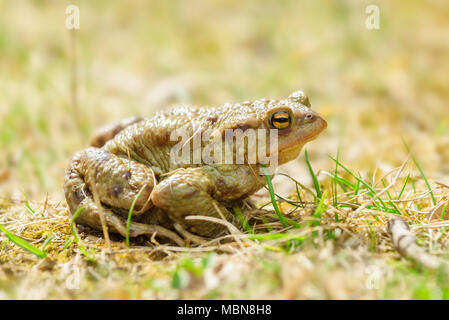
(435, 212)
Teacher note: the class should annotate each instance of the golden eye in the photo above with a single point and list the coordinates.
(280, 120)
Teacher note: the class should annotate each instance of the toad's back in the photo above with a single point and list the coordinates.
(149, 141)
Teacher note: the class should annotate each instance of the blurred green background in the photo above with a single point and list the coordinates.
(135, 57)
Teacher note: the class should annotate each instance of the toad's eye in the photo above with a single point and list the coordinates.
(280, 120)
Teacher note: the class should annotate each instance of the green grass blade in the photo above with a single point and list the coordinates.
(334, 181)
(76, 214)
(443, 211)
(421, 171)
(298, 194)
(266, 224)
(242, 219)
(312, 174)
(414, 191)
(403, 187)
(357, 188)
(373, 192)
(321, 207)
(343, 183)
(298, 184)
(47, 241)
(27, 206)
(68, 243)
(76, 237)
(131, 209)
(23, 243)
(285, 237)
(293, 223)
(273, 200)
(289, 201)
(391, 200)
(267, 236)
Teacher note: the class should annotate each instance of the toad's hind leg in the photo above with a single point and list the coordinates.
(116, 181)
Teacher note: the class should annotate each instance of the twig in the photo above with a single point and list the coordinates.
(442, 185)
(405, 243)
(104, 225)
(188, 236)
(232, 229)
(149, 229)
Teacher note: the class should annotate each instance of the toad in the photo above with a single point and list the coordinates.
(131, 163)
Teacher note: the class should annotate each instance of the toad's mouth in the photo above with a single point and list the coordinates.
(291, 147)
(295, 143)
(315, 133)
(312, 136)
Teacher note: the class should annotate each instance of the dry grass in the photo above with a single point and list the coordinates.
(375, 88)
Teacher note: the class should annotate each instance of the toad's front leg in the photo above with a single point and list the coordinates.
(202, 191)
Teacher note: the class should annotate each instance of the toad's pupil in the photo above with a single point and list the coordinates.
(281, 120)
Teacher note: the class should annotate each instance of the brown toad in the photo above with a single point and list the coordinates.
(136, 156)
